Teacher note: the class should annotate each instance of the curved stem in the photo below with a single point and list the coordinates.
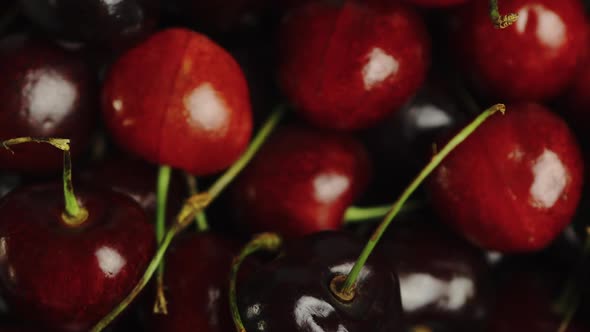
(358, 214)
(201, 219)
(262, 242)
(347, 289)
(162, 186)
(74, 214)
(501, 21)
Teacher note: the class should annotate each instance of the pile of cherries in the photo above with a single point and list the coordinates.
(196, 165)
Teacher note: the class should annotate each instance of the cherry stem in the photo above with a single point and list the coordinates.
(201, 219)
(357, 214)
(501, 21)
(262, 242)
(74, 213)
(162, 186)
(347, 290)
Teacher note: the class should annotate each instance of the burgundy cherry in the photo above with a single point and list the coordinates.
(45, 92)
(347, 66)
(514, 184)
(533, 59)
(196, 286)
(69, 277)
(301, 182)
(292, 294)
(181, 100)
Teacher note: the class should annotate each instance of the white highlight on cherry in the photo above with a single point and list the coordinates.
(307, 308)
(551, 29)
(378, 68)
(329, 186)
(109, 261)
(550, 179)
(206, 107)
(420, 290)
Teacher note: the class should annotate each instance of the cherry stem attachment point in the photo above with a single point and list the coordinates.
(262, 242)
(501, 21)
(162, 187)
(349, 285)
(201, 219)
(74, 213)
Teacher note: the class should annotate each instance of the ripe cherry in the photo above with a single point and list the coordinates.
(514, 185)
(293, 292)
(179, 99)
(437, 3)
(346, 66)
(45, 92)
(533, 59)
(301, 182)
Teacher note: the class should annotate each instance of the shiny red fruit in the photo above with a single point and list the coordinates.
(346, 66)
(514, 184)
(65, 277)
(44, 92)
(179, 99)
(301, 182)
(534, 59)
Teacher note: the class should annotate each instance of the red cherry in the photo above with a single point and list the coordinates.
(45, 92)
(514, 184)
(301, 182)
(181, 100)
(69, 277)
(437, 3)
(348, 66)
(533, 59)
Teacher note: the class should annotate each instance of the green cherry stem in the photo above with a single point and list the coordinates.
(358, 214)
(74, 214)
(501, 21)
(201, 219)
(162, 187)
(262, 242)
(346, 291)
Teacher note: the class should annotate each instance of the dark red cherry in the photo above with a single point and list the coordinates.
(437, 3)
(103, 22)
(181, 100)
(69, 277)
(301, 182)
(534, 59)
(443, 279)
(45, 92)
(293, 293)
(514, 184)
(346, 66)
(197, 268)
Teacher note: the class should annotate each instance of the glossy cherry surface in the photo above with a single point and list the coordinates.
(292, 293)
(93, 21)
(181, 100)
(68, 278)
(45, 92)
(301, 182)
(346, 66)
(534, 59)
(197, 268)
(514, 184)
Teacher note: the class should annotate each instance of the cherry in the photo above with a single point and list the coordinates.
(179, 99)
(96, 21)
(45, 92)
(533, 59)
(437, 3)
(293, 292)
(196, 285)
(515, 184)
(347, 66)
(301, 182)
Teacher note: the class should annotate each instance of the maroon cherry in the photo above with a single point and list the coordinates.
(301, 182)
(533, 59)
(514, 185)
(347, 66)
(45, 92)
(197, 267)
(179, 99)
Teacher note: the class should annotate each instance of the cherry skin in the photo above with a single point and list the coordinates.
(65, 277)
(301, 182)
(45, 92)
(514, 184)
(292, 293)
(95, 21)
(196, 286)
(347, 66)
(534, 59)
(181, 100)
(437, 3)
